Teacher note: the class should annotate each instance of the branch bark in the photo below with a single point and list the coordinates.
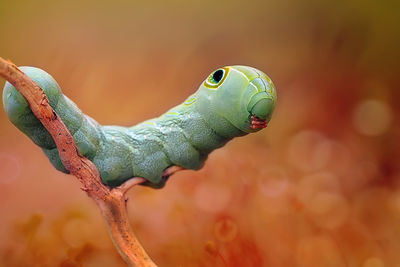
(110, 201)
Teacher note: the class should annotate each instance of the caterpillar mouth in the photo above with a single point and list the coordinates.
(257, 123)
(260, 109)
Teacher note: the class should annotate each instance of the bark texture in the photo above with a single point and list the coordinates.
(111, 202)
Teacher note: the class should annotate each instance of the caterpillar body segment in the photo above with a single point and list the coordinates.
(231, 102)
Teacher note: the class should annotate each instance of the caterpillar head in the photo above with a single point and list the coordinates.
(243, 96)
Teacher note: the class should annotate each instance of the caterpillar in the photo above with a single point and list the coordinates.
(232, 101)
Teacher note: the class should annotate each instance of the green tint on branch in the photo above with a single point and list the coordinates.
(218, 111)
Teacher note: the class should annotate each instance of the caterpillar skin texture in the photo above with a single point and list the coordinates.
(233, 101)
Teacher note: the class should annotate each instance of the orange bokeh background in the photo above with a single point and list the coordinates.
(319, 187)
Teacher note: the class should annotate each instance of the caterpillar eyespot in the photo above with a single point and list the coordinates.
(216, 78)
(241, 101)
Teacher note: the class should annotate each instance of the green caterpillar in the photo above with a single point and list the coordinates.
(233, 101)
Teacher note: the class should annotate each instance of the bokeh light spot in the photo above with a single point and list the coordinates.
(372, 117)
(309, 150)
(328, 210)
(310, 185)
(273, 182)
(212, 197)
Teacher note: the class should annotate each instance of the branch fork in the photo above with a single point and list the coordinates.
(112, 202)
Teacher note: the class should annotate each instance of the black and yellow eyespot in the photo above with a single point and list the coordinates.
(216, 78)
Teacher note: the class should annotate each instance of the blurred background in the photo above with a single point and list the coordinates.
(319, 187)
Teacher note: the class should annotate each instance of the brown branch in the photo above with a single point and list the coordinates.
(110, 201)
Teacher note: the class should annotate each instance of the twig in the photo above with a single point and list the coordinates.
(129, 184)
(110, 201)
(171, 170)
